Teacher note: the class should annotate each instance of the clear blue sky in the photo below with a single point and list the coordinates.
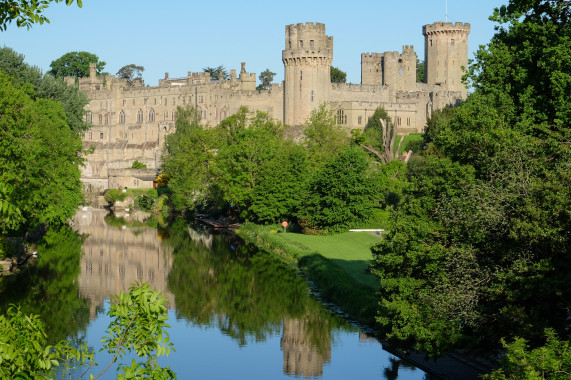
(177, 36)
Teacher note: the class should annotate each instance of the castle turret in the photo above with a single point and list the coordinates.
(445, 53)
(307, 62)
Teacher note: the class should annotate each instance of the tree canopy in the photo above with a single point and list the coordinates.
(217, 73)
(478, 248)
(76, 64)
(131, 73)
(27, 12)
(266, 78)
(338, 76)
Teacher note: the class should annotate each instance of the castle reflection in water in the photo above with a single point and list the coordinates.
(114, 257)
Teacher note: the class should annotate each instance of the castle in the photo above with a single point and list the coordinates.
(130, 123)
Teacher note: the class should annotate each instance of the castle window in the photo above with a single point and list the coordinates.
(300, 43)
(139, 116)
(204, 114)
(289, 44)
(408, 121)
(155, 101)
(341, 118)
(300, 75)
(312, 95)
(430, 42)
(166, 115)
(100, 135)
(88, 117)
(311, 43)
(100, 119)
(360, 120)
(452, 41)
(106, 118)
(122, 117)
(174, 115)
(152, 115)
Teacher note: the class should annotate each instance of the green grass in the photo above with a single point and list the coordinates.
(350, 250)
(407, 138)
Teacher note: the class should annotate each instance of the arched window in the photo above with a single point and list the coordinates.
(139, 116)
(88, 117)
(100, 119)
(152, 115)
(106, 118)
(341, 118)
(122, 117)
(166, 115)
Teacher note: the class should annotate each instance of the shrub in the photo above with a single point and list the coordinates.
(139, 165)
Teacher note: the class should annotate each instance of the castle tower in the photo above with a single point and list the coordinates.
(445, 53)
(307, 63)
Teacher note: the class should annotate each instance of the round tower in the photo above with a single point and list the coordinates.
(307, 62)
(445, 53)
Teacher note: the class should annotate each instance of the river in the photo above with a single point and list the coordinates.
(234, 313)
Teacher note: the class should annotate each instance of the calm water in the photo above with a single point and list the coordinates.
(234, 314)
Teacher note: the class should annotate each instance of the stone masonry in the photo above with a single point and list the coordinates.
(130, 123)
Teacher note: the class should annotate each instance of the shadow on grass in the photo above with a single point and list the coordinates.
(338, 286)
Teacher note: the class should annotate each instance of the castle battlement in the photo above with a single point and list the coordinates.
(307, 26)
(445, 27)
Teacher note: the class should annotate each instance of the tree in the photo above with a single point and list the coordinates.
(420, 75)
(138, 324)
(266, 78)
(75, 64)
(26, 12)
(340, 194)
(322, 136)
(132, 74)
(338, 76)
(39, 156)
(217, 73)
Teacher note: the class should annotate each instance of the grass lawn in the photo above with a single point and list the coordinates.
(350, 250)
(407, 138)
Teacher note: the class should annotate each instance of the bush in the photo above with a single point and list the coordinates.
(139, 165)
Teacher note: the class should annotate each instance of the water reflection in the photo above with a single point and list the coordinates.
(228, 304)
(115, 255)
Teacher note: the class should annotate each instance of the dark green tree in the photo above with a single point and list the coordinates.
(266, 78)
(338, 76)
(341, 194)
(75, 64)
(26, 12)
(322, 136)
(132, 74)
(420, 74)
(217, 72)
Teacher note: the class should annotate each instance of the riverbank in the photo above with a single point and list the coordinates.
(337, 265)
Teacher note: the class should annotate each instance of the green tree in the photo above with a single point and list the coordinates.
(132, 74)
(138, 324)
(266, 78)
(26, 12)
(322, 136)
(47, 87)
(338, 76)
(420, 74)
(217, 72)
(39, 156)
(75, 64)
(187, 158)
(340, 194)
(138, 165)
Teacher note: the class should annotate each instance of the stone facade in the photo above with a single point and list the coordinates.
(130, 123)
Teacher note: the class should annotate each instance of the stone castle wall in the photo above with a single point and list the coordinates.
(131, 123)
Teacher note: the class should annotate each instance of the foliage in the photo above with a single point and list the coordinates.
(420, 74)
(39, 156)
(373, 133)
(138, 165)
(340, 194)
(26, 12)
(24, 352)
(551, 361)
(139, 325)
(132, 74)
(9, 212)
(478, 247)
(322, 136)
(47, 87)
(266, 78)
(217, 73)
(75, 64)
(162, 180)
(337, 76)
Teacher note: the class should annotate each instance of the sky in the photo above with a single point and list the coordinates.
(178, 36)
